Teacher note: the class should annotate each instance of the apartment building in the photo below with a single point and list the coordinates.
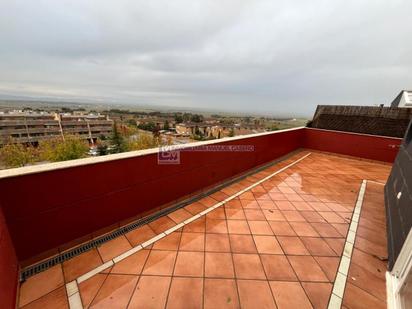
(23, 127)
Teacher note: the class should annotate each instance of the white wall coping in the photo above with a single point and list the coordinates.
(46, 167)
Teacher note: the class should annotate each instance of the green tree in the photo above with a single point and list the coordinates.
(196, 118)
(144, 141)
(117, 142)
(16, 155)
(166, 125)
(178, 118)
(58, 150)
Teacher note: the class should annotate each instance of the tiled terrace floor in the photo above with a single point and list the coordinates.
(276, 245)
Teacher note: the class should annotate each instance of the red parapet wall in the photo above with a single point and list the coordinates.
(8, 267)
(47, 209)
(365, 146)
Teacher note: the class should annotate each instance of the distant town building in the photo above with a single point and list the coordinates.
(205, 129)
(27, 127)
(403, 99)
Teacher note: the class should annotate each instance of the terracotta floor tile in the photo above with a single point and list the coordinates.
(336, 207)
(55, 299)
(115, 292)
(267, 244)
(217, 243)
(312, 216)
(180, 215)
(218, 213)
(319, 206)
(303, 229)
(273, 215)
(367, 281)
(41, 284)
(294, 198)
(317, 246)
(208, 201)
(219, 196)
(278, 196)
(292, 245)
(235, 214)
(216, 226)
(248, 289)
(89, 288)
(284, 205)
(289, 295)
(248, 266)
(151, 292)
(309, 198)
(369, 262)
(247, 196)
(331, 217)
(81, 264)
(336, 244)
(318, 293)
(140, 235)
(343, 229)
(249, 204)
(131, 265)
(242, 244)
(198, 225)
(218, 265)
(293, 215)
(114, 248)
(329, 266)
(192, 242)
(370, 247)
(254, 214)
(260, 228)
(195, 208)
(189, 264)
(326, 230)
(233, 204)
(160, 263)
(302, 206)
(277, 267)
(267, 204)
(347, 216)
(220, 293)
(162, 224)
(170, 242)
(185, 293)
(306, 268)
(280, 228)
(356, 298)
(238, 227)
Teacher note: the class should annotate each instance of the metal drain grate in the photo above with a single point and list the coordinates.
(42, 266)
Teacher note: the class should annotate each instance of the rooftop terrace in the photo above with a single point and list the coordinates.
(286, 226)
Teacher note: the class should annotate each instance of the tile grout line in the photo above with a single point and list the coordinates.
(74, 297)
(338, 289)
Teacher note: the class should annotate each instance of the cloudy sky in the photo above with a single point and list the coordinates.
(277, 57)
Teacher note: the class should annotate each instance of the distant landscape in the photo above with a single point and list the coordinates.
(35, 132)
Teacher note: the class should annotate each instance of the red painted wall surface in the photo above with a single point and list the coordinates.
(47, 209)
(8, 267)
(359, 145)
